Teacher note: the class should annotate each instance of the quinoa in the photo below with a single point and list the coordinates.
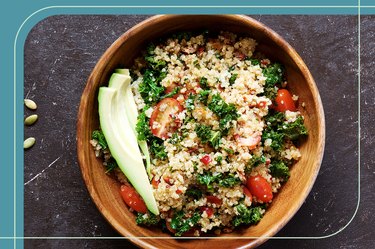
(221, 129)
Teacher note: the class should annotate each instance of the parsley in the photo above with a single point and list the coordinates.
(99, 136)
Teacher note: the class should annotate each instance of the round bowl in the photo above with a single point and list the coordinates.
(105, 191)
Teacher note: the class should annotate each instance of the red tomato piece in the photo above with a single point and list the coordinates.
(284, 101)
(260, 188)
(262, 104)
(247, 193)
(214, 200)
(133, 199)
(206, 160)
(209, 211)
(154, 183)
(164, 121)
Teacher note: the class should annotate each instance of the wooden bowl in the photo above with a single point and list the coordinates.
(105, 191)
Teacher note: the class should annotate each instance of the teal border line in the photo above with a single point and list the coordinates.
(55, 10)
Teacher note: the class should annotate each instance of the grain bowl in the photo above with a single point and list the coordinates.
(123, 53)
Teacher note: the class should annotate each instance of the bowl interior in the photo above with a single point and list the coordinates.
(105, 190)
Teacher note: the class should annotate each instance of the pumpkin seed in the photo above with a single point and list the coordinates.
(31, 119)
(28, 143)
(30, 104)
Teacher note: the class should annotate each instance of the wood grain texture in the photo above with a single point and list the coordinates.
(105, 191)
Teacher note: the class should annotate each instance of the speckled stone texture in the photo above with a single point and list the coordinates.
(60, 53)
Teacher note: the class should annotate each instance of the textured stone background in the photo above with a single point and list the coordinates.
(60, 53)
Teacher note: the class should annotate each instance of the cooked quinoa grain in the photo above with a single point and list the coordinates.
(205, 103)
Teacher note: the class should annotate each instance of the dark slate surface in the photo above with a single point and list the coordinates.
(60, 53)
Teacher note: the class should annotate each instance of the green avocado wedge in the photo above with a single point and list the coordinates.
(120, 80)
(122, 141)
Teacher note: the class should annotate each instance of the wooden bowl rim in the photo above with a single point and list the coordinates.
(155, 20)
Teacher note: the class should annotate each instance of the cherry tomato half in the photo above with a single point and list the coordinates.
(164, 121)
(214, 200)
(206, 160)
(260, 188)
(284, 101)
(209, 211)
(133, 199)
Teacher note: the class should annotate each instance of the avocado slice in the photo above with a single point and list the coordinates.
(122, 141)
(122, 75)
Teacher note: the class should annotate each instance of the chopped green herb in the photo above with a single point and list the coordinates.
(246, 215)
(203, 96)
(294, 130)
(226, 112)
(157, 148)
(279, 169)
(189, 103)
(148, 219)
(233, 78)
(110, 166)
(196, 193)
(203, 83)
(181, 224)
(229, 181)
(207, 135)
(275, 74)
(99, 136)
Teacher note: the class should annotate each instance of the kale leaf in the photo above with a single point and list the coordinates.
(279, 169)
(99, 136)
(207, 135)
(148, 219)
(247, 215)
(233, 78)
(110, 165)
(226, 112)
(277, 139)
(150, 88)
(207, 179)
(293, 130)
(189, 103)
(142, 127)
(203, 83)
(157, 148)
(275, 74)
(181, 225)
(203, 96)
(194, 192)
(229, 181)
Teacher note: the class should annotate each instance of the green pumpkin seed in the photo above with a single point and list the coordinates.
(30, 104)
(31, 119)
(28, 143)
